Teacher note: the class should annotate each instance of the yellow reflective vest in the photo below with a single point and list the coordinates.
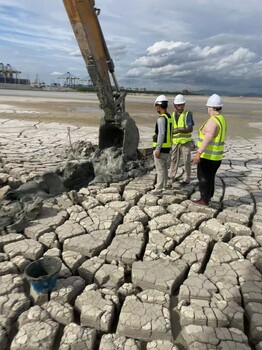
(215, 149)
(181, 123)
(167, 144)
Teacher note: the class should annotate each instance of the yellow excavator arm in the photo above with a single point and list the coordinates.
(84, 20)
(117, 128)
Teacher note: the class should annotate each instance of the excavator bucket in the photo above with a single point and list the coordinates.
(117, 128)
(122, 134)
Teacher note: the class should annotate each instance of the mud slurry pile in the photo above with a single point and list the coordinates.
(139, 271)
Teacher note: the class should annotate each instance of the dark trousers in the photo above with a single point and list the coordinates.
(206, 172)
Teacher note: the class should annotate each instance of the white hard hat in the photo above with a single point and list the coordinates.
(160, 99)
(214, 101)
(179, 100)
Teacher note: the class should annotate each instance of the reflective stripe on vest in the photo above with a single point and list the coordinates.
(181, 124)
(215, 149)
(167, 141)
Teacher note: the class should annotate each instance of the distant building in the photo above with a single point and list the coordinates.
(10, 75)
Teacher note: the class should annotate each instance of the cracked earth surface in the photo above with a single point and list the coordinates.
(139, 271)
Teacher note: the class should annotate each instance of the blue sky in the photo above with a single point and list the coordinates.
(193, 44)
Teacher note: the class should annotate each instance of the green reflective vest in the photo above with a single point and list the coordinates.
(167, 144)
(181, 123)
(215, 149)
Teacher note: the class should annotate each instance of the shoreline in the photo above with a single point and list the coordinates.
(243, 115)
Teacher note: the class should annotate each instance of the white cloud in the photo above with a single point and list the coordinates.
(161, 44)
(185, 63)
(56, 73)
(75, 53)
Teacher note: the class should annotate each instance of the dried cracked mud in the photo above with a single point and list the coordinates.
(139, 271)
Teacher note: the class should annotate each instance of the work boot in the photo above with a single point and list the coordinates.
(200, 202)
(157, 192)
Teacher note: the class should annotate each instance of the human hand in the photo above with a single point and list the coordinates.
(196, 159)
(157, 154)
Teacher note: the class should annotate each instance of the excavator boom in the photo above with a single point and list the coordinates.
(83, 16)
(84, 21)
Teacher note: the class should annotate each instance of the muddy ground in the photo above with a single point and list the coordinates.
(244, 115)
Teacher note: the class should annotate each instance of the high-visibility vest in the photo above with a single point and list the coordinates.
(215, 149)
(167, 144)
(181, 123)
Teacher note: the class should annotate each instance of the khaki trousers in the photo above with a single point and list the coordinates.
(176, 152)
(162, 170)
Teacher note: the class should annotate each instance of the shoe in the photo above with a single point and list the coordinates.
(184, 183)
(200, 202)
(157, 192)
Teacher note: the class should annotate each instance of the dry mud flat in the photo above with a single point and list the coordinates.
(243, 115)
(138, 271)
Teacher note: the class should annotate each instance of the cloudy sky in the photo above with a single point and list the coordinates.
(168, 44)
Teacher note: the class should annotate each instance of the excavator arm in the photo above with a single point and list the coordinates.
(116, 128)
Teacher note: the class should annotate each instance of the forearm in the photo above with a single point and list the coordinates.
(183, 130)
(160, 140)
(186, 130)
